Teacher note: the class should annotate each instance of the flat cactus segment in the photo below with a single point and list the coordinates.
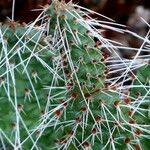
(35, 73)
(141, 92)
(53, 89)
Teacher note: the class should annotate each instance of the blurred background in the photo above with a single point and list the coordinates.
(126, 12)
(123, 11)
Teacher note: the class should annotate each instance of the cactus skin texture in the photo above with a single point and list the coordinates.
(53, 91)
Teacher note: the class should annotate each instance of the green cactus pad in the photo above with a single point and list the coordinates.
(53, 91)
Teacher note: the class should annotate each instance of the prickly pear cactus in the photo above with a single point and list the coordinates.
(54, 91)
